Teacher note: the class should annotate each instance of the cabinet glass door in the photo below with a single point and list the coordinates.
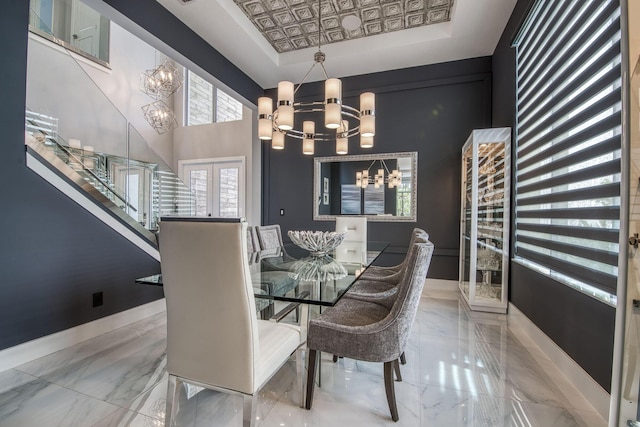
(466, 220)
(630, 380)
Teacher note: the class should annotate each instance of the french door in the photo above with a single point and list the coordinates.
(218, 185)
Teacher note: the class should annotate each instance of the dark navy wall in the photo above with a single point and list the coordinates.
(580, 325)
(431, 110)
(55, 255)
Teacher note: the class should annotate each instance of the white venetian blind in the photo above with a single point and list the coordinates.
(568, 141)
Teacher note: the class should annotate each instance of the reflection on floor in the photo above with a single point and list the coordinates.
(464, 369)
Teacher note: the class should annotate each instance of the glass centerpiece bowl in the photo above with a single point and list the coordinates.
(318, 243)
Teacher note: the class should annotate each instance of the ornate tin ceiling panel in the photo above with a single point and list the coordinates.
(293, 24)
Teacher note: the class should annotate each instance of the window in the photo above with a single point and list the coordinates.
(203, 99)
(568, 143)
(227, 108)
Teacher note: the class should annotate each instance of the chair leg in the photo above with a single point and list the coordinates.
(389, 388)
(311, 378)
(300, 375)
(403, 359)
(249, 404)
(396, 368)
(172, 401)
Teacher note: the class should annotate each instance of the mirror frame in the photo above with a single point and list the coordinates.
(317, 194)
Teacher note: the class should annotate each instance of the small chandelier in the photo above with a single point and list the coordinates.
(275, 125)
(160, 117)
(393, 179)
(163, 81)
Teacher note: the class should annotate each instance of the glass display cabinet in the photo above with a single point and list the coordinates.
(484, 226)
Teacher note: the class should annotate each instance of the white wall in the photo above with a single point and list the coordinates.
(129, 57)
(226, 139)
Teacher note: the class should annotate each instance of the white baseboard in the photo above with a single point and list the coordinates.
(31, 350)
(579, 379)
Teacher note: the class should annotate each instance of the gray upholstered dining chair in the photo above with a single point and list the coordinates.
(269, 236)
(393, 273)
(272, 250)
(368, 288)
(373, 332)
(214, 339)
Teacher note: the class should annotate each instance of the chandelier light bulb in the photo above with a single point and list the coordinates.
(277, 141)
(333, 101)
(367, 114)
(309, 130)
(265, 111)
(285, 105)
(365, 141)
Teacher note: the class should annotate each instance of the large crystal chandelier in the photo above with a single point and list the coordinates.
(161, 82)
(278, 124)
(160, 117)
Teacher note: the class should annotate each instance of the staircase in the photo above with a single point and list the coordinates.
(95, 176)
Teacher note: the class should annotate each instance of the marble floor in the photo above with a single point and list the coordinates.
(463, 369)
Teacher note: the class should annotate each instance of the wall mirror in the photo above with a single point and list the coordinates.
(382, 187)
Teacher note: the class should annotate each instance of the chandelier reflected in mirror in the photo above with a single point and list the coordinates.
(392, 179)
(279, 124)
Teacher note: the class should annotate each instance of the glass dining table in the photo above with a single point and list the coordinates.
(289, 273)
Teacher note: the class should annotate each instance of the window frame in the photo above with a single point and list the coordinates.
(214, 96)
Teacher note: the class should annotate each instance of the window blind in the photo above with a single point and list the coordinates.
(568, 136)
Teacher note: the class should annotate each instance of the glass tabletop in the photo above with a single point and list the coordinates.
(289, 273)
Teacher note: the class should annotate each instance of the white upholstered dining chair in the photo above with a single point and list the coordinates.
(355, 226)
(214, 339)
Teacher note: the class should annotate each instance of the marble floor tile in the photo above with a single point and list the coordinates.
(463, 369)
(481, 367)
(444, 407)
(115, 370)
(124, 418)
(29, 401)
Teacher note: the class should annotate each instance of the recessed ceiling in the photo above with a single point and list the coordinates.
(473, 30)
(293, 24)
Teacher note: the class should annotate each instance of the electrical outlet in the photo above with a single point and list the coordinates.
(281, 212)
(97, 299)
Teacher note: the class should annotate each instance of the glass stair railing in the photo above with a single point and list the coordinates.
(162, 194)
(119, 169)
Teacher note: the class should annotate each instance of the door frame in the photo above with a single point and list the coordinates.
(212, 161)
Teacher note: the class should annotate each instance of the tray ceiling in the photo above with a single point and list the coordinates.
(472, 29)
(290, 25)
